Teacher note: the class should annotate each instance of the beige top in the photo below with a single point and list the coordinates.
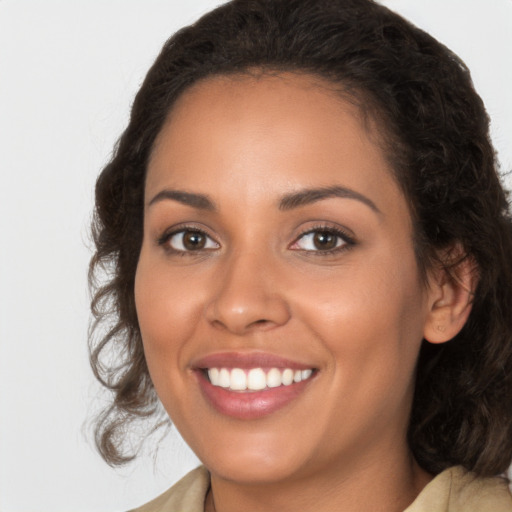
(453, 490)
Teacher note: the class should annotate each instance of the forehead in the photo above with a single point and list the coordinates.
(268, 133)
(265, 101)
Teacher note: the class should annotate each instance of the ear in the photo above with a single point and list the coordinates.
(450, 295)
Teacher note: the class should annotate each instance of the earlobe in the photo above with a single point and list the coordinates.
(451, 295)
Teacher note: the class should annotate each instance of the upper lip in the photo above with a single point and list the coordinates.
(247, 360)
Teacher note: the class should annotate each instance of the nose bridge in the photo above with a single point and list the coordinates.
(247, 296)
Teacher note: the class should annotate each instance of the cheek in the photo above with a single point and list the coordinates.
(168, 312)
(366, 312)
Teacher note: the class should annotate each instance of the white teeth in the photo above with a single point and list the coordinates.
(224, 378)
(256, 379)
(238, 380)
(305, 374)
(213, 374)
(287, 377)
(274, 378)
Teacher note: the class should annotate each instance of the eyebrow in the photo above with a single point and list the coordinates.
(312, 195)
(288, 202)
(200, 201)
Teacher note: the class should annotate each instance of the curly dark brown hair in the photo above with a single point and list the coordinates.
(437, 138)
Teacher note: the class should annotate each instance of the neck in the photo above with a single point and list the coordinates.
(373, 486)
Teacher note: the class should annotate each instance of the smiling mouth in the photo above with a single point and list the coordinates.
(251, 385)
(255, 379)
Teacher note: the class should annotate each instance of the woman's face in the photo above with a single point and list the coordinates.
(278, 255)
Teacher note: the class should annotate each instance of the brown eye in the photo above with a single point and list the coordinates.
(189, 240)
(322, 240)
(193, 240)
(325, 240)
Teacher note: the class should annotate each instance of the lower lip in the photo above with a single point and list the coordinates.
(249, 405)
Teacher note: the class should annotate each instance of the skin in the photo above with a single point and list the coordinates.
(358, 314)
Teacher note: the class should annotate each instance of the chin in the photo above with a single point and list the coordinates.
(253, 460)
(253, 469)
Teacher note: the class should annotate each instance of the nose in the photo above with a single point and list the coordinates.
(247, 297)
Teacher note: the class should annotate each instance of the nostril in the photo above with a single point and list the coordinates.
(261, 323)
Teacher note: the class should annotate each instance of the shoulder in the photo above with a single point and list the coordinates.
(457, 490)
(187, 494)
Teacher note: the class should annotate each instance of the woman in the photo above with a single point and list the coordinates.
(311, 266)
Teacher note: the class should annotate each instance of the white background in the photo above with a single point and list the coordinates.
(68, 73)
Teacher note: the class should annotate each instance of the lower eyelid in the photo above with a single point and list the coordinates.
(344, 241)
(166, 238)
(209, 241)
(339, 243)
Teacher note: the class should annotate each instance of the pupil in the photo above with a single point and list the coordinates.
(324, 240)
(193, 240)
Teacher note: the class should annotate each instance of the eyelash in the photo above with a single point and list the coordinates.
(348, 241)
(165, 239)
